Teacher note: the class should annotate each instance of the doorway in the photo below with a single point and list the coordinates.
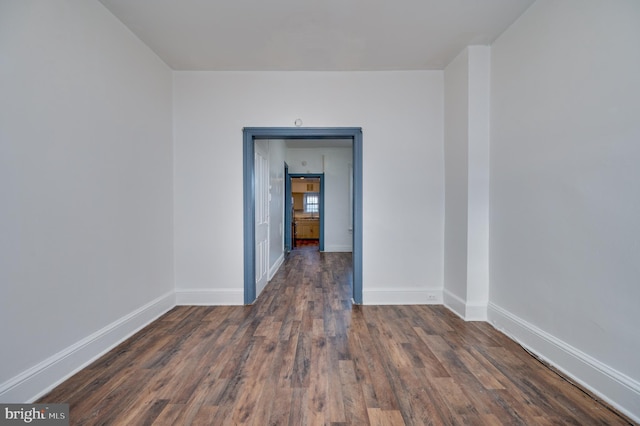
(306, 215)
(250, 135)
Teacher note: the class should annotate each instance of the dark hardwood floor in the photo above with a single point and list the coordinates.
(308, 243)
(304, 355)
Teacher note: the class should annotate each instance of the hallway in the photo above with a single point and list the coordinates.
(304, 355)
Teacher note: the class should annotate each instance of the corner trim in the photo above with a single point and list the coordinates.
(476, 312)
(618, 390)
(465, 310)
(44, 376)
(453, 303)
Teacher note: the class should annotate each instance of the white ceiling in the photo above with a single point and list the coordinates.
(314, 35)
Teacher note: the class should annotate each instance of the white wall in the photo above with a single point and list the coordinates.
(565, 253)
(335, 164)
(86, 189)
(401, 114)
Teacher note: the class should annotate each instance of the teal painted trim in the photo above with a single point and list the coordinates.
(250, 134)
(321, 212)
(249, 222)
(357, 217)
(302, 132)
(287, 209)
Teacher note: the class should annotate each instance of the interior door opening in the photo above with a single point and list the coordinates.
(250, 137)
(307, 211)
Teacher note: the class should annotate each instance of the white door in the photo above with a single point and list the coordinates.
(262, 213)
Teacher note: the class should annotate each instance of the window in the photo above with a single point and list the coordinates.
(311, 202)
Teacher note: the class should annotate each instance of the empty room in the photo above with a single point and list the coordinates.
(338, 212)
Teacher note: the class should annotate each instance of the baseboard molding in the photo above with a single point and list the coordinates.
(401, 296)
(213, 297)
(276, 266)
(465, 310)
(35, 382)
(337, 249)
(476, 312)
(613, 387)
(454, 303)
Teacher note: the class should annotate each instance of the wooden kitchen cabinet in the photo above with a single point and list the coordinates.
(308, 229)
(303, 186)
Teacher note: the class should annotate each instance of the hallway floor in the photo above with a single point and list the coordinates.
(303, 355)
(307, 243)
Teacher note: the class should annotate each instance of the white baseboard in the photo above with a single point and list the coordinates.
(454, 303)
(210, 297)
(337, 249)
(401, 296)
(276, 266)
(33, 383)
(465, 310)
(617, 389)
(476, 312)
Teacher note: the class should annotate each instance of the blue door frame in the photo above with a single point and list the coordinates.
(287, 210)
(321, 207)
(250, 134)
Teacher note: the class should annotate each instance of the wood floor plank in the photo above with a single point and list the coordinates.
(142, 413)
(379, 417)
(302, 362)
(204, 415)
(335, 404)
(354, 406)
(298, 412)
(281, 406)
(481, 372)
(169, 415)
(453, 396)
(303, 355)
(192, 408)
(319, 377)
(379, 393)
